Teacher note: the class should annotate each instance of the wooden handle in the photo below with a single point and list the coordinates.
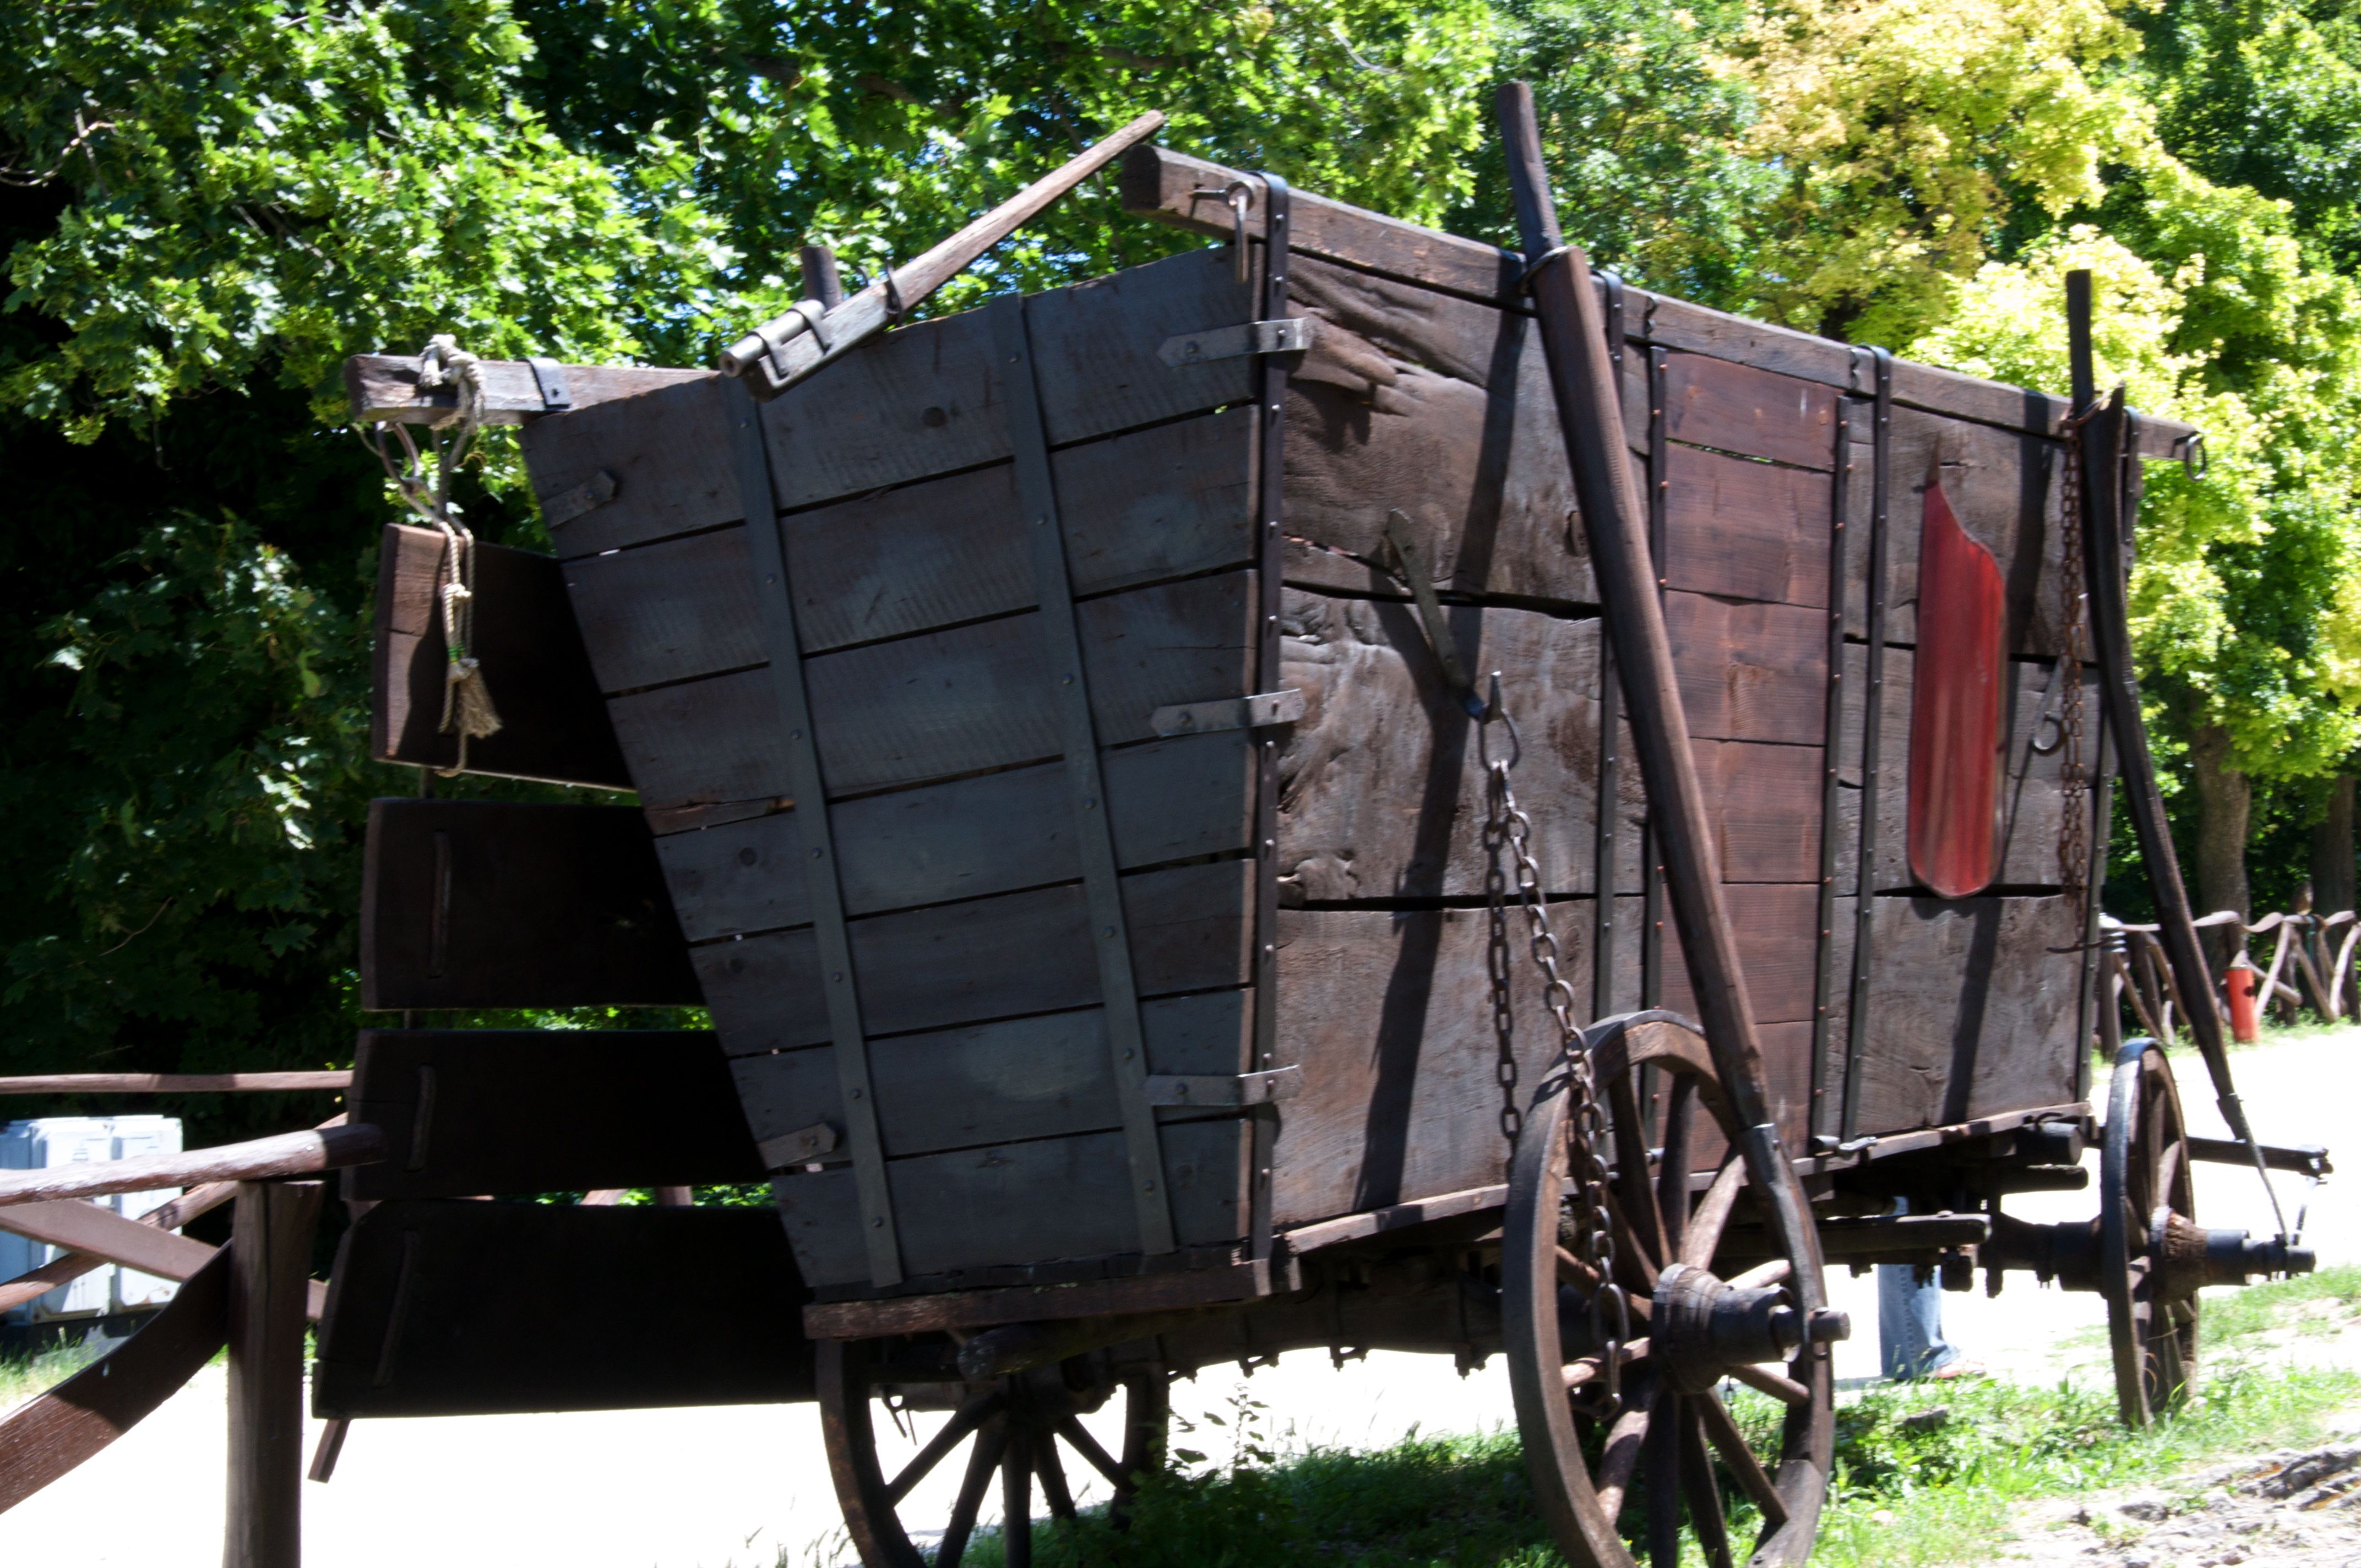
(290, 1153)
(867, 313)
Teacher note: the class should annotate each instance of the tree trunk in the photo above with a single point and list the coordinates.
(2224, 801)
(2333, 869)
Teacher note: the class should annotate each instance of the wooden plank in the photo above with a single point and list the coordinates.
(1171, 502)
(1234, 1280)
(1397, 1217)
(384, 386)
(289, 1153)
(1381, 786)
(271, 1264)
(524, 1111)
(48, 1437)
(1747, 530)
(412, 1332)
(1017, 1204)
(552, 718)
(501, 903)
(1387, 1013)
(919, 401)
(1001, 1082)
(944, 703)
(1749, 671)
(1007, 957)
(1171, 186)
(85, 1227)
(1973, 1011)
(174, 1082)
(1170, 800)
(1754, 413)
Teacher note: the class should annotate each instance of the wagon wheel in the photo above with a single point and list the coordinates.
(2148, 1214)
(1659, 1449)
(1014, 1431)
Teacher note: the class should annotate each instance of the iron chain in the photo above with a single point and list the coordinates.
(1508, 839)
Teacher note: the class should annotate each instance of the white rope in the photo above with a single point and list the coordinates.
(467, 709)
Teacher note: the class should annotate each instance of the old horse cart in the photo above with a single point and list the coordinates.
(1141, 929)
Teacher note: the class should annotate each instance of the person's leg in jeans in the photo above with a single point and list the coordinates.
(1910, 1320)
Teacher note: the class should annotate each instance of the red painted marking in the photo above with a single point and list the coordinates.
(1955, 708)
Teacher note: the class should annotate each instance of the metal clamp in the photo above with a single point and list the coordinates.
(1231, 1092)
(1290, 334)
(550, 376)
(587, 496)
(2194, 459)
(1284, 707)
(805, 1146)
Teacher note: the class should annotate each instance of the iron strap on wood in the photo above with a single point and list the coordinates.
(1824, 974)
(1278, 208)
(839, 982)
(1610, 760)
(1873, 725)
(1062, 644)
(1651, 854)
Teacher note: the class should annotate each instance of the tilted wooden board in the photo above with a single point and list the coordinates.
(553, 723)
(472, 1111)
(412, 1331)
(497, 904)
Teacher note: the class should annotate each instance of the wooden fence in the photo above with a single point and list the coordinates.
(2311, 965)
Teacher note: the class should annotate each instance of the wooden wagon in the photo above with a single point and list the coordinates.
(1071, 769)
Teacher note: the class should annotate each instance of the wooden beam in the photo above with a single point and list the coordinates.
(290, 1153)
(1174, 188)
(80, 1227)
(384, 386)
(1244, 1280)
(270, 1261)
(171, 1082)
(51, 1436)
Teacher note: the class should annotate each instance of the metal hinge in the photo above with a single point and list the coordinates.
(550, 376)
(587, 496)
(802, 1146)
(1288, 335)
(1241, 1088)
(1228, 713)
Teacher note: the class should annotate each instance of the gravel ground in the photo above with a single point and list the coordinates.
(2288, 1508)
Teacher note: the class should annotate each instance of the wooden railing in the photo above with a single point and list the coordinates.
(2311, 965)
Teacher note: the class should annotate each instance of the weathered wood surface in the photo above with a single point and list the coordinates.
(411, 1329)
(289, 1153)
(944, 703)
(467, 1112)
(174, 1082)
(1013, 1203)
(553, 720)
(923, 401)
(499, 903)
(1204, 1277)
(1168, 800)
(1001, 1082)
(1007, 957)
(1169, 186)
(87, 1228)
(50, 1436)
(1171, 502)
(270, 1265)
(384, 386)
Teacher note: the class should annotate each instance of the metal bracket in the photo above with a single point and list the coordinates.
(587, 496)
(550, 376)
(1429, 614)
(1283, 706)
(802, 1146)
(1288, 335)
(1227, 1092)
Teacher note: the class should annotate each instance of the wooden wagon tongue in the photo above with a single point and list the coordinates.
(783, 351)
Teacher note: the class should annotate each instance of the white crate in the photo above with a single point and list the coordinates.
(53, 1141)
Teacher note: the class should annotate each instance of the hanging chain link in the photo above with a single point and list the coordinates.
(2074, 623)
(1507, 836)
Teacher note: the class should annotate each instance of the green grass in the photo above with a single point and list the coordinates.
(1901, 1499)
(24, 1378)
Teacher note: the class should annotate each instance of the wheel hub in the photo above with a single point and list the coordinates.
(1701, 1326)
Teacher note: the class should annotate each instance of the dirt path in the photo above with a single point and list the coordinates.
(2288, 1508)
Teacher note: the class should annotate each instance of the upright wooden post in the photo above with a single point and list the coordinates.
(271, 1268)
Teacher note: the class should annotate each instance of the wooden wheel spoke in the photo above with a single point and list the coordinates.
(2167, 1172)
(1712, 1216)
(1778, 1385)
(983, 1463)
(1079, 1438)
(1016, 1502)
(1664, 1481)
(1589, 1370)
(1673, 1177)
(1052, 1470)
(1641, 1258)
(1697, 1486)
(1721, 1430)
(964, 1420)
(1619, 1456)
(1635, 1193)
(1761, 1274)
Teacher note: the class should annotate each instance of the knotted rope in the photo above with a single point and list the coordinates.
(467, 709)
